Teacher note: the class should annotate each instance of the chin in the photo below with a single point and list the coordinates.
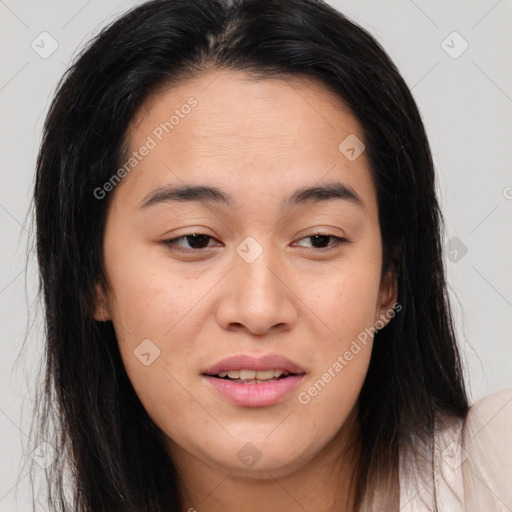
(264, 460)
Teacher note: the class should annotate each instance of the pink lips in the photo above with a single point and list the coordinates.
(247, 362)
(258, 394)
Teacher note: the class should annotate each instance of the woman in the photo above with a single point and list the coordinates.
(240, 253)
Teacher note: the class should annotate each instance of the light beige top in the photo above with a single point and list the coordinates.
(472, 463)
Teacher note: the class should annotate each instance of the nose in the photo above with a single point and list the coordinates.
(257, 297)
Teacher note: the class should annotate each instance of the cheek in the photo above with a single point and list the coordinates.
(174, 409)
(154, 333)
(344, 302)
(333, 388)
(151, 297)
(346, 307)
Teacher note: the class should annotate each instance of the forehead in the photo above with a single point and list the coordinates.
(234, 104)
(227, 128)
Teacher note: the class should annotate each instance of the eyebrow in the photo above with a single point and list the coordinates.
(210, 194)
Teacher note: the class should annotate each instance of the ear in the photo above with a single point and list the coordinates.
(388, 296)
(101, 310)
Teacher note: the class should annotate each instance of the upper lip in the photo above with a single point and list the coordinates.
(249, 362)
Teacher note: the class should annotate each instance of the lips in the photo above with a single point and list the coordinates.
(247, 391)
(248, 362)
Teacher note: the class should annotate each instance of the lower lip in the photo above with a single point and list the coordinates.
(257, 394)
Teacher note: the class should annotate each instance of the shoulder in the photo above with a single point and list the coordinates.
(466, 466)
(486, 453)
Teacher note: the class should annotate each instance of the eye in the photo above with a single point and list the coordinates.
(197, 241)
(322, 239)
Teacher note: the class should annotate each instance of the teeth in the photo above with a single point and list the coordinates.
(246, 374)
(251, 374)
(262, 375)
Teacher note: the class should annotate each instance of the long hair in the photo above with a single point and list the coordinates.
(110, 456)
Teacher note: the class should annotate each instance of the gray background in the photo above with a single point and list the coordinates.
(466, 104)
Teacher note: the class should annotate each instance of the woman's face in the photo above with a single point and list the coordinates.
(257, 286)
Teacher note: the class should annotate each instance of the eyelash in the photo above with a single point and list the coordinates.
(172, 241)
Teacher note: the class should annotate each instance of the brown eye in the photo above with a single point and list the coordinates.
(322, 240)
(196, 241)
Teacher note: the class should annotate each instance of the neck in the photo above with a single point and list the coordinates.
(325, 483)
